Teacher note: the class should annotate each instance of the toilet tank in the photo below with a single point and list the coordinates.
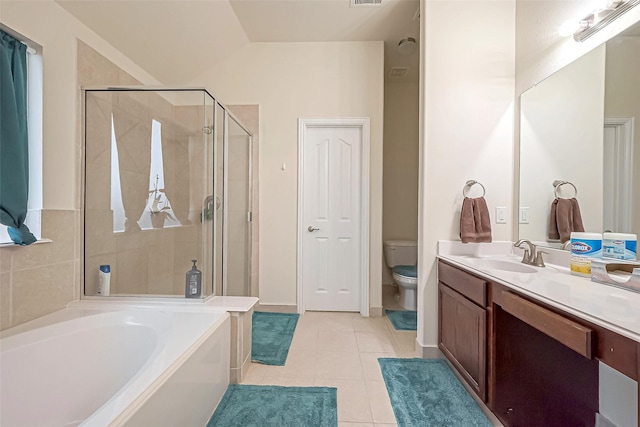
(400, 252)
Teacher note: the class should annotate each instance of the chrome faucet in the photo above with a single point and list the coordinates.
(532, 256)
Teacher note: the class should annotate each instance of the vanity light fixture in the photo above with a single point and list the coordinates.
(584, 28)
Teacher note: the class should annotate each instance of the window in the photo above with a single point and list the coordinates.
(158, 212)
(34, 129)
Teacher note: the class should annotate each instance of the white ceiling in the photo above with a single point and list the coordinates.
(333, 20)
(177, 40)
(172, 40)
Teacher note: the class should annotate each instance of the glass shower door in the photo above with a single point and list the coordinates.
(148, 170)
(237, 212)
(217, 200)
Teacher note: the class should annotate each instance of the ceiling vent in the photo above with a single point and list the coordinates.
(398, 72)
(365, 3)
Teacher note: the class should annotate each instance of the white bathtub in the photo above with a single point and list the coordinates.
(125, 366)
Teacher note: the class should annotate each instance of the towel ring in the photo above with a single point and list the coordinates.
(558, 183)
(470, 184)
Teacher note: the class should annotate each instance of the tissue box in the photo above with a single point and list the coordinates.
(622, 274)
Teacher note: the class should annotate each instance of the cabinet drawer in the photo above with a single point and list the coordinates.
(569, 333)
(470, 286)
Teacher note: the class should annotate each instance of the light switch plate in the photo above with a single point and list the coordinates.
(524, 215)
(501, 215)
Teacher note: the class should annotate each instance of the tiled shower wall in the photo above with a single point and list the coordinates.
(152, 261)
(39, 279)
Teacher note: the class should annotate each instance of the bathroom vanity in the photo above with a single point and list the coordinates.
(531, 342)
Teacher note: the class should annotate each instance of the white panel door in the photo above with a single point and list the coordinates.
(618, 174)
(331, 218)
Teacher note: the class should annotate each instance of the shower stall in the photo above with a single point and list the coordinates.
(167, 181)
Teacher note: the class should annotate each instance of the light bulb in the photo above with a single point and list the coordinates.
(568, 28)
(571, 27)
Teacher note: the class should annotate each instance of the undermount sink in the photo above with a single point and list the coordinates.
(508, 266)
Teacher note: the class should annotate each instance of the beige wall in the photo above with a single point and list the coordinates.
(290, 81)
(622, 99)
(39, 279)
(400, 164)
(467, 96)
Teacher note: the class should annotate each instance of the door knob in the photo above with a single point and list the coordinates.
(310, 229)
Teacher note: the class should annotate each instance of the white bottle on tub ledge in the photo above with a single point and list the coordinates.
(104, 280)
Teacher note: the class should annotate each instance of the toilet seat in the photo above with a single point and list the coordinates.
(407, 274)
(406, 270)
(408, 281)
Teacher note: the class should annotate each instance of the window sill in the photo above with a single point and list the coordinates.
(11, 244)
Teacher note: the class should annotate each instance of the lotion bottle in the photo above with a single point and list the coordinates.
(104, 280)
(193, 285)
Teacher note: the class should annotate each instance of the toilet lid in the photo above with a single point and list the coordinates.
(406, 270)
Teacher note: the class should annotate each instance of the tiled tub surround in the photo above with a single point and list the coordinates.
(609, 313)
(38, 279)
(241, 311)
(145, 357)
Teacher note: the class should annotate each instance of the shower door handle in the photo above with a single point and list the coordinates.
(310, 229)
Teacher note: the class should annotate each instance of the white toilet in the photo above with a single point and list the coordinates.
(402, 256)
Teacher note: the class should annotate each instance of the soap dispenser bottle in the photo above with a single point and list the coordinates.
(193, 285)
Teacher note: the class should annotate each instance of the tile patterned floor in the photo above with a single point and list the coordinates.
(341, 350)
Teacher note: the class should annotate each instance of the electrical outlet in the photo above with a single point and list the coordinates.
(501, 215)
(524, 215)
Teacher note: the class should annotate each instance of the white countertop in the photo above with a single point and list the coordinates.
(613, 308)
(239, 304)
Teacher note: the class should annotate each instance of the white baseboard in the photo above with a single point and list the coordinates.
(375, 311)
(276, 308)
(429, 351)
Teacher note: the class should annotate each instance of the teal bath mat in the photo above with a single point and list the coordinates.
(403, 320)
(256, 405)
(424, 392)
(271, 336)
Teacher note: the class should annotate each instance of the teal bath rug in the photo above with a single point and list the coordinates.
(425, 393)
(403, 320)
(256, 405)
(271, 336)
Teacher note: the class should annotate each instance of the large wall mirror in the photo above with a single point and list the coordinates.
(577, 139)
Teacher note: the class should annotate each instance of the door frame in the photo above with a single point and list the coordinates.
(624, 138)
(363, 123)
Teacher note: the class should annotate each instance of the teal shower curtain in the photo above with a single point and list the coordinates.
(14, 152)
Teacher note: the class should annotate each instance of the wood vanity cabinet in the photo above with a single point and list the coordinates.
(544, 362)
(462, 324)
(531, 363)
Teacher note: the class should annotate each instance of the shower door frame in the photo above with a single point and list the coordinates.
(225, 220)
